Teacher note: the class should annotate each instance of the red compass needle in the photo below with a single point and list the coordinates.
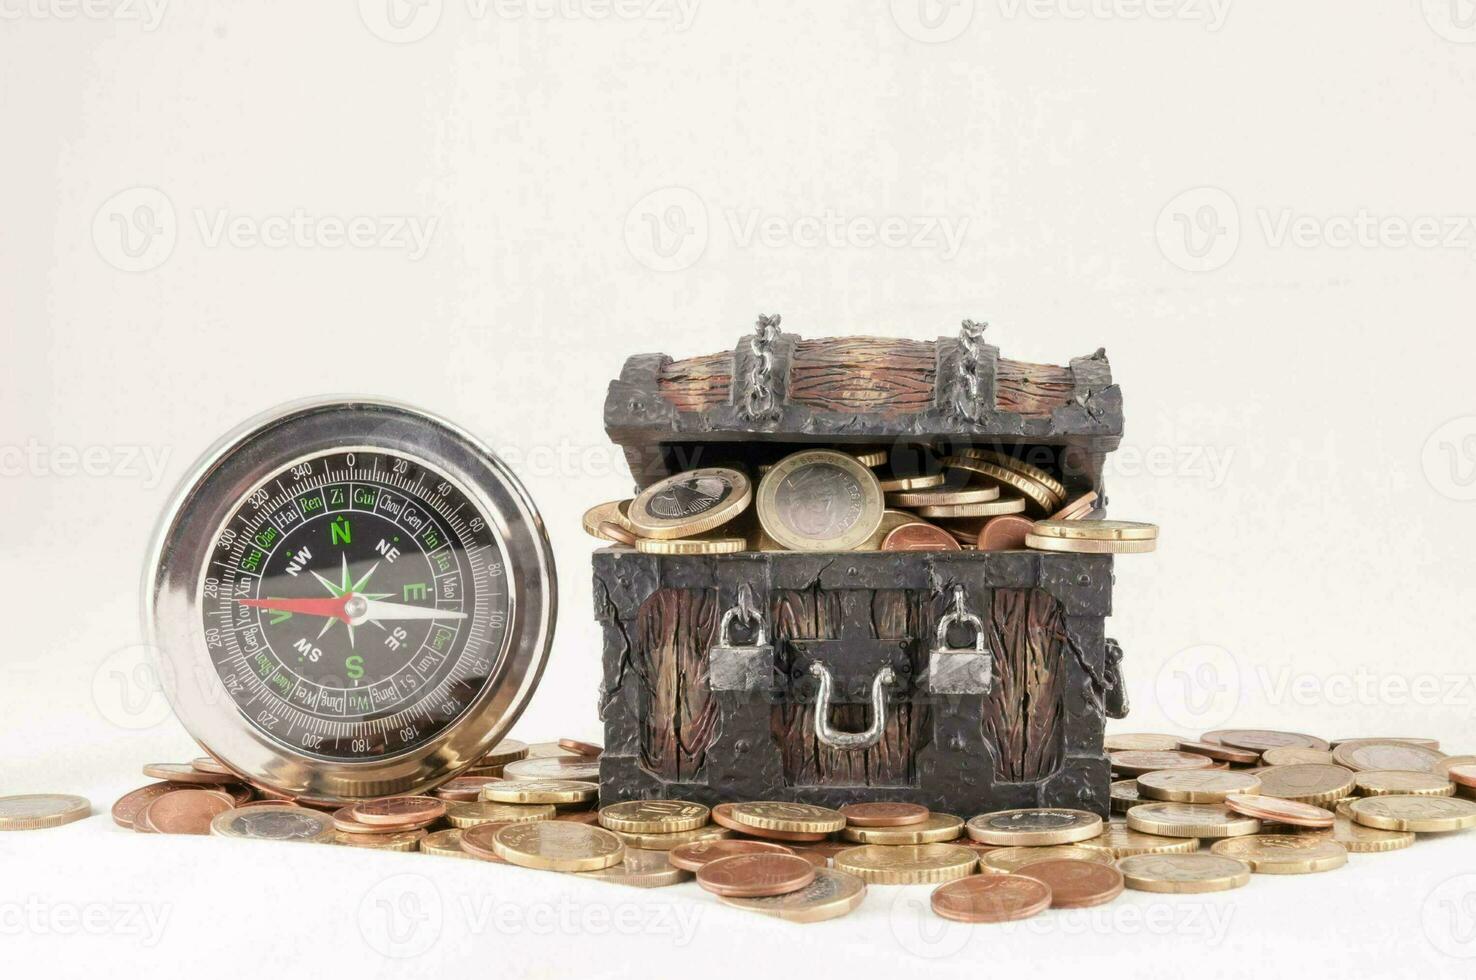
(332, 606)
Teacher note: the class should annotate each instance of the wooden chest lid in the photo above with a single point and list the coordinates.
(776, 386)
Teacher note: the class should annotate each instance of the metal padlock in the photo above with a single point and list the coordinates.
(734, 667)
(961, 670)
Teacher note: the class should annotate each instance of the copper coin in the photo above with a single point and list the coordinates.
(179, 772)
(591, 817)
(1464, 775)
(722, 815)
(1005, 533)
(884, 814)
(756, 875)
(991, 898)
(464, 789)
(692, 856)
(1260, 739)
(1279, 811)
(1221, 753)
(398, 811)
(614, 532)
(477, 841)
(207, 764)
(1076, 884)
(1133, 763)
(185, 811)
(131, 804)
(918, 536)
(267, 802)
(587, 749)
(819, 853)
(1077, 509)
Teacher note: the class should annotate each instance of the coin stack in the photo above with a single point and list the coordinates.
(1190, 816)
(828, 500)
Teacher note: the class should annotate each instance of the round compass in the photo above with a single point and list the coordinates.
(350, 598)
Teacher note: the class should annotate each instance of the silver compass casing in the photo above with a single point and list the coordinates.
(185, 541)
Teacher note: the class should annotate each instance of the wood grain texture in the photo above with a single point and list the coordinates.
(674, 630)
(1024, 714)
(870, 375)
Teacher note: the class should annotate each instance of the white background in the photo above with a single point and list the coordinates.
(1263, 211)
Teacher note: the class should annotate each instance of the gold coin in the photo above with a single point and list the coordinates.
(446, 843)
(465, 815)
(943, 496)
(890, 521)
(819, 500)
(792, 818)
(872, 458)
(1387, 754)
(1008, 860)
(1444, 766)
(691, 546)
(1131, 763)
(1284, 854)
(36, 811)
(689, 503)
(1140, 742)
(539, 791)
(279, 823)
(1025, 469)
(937, 828)
(1183, 874)
(1306, 783)
(1295, 755)
(993, 508)
(404, 841)
(1034, 827)
(908, 864)
(505, 751)
(1421, 814)
(1085, 546)
(1262, 739)
(551, 845)
(1358, 839)
(665, 842)
(1196, 785)
(1125, 795)
(653, 816)
(1097, 530)
(924, 482)
(566, 766)
(1126, 842)
(640, 869)
(608, 513)
(1190, 820)
(831, 895)
(1038, 493)
(1397, 782)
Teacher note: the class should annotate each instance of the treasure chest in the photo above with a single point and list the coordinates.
(963, 680)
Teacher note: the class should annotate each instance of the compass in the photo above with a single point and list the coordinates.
(350, 598)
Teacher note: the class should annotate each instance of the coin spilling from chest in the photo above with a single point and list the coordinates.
(1006, 532)
(1284, 854)
(691, 503)
(991, 898)
(830, 895)
(917, 536)
(1025, 468)
(653, 816)
(819, 500)
(1034, 826)
(1184, 874)
(756, 875)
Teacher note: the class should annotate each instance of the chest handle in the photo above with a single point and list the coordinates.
(850, 741)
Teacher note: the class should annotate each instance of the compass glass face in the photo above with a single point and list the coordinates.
(355, 604)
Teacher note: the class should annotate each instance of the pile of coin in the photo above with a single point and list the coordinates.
(829, 500)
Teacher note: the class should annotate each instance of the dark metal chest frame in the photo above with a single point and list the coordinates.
(965, 681)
